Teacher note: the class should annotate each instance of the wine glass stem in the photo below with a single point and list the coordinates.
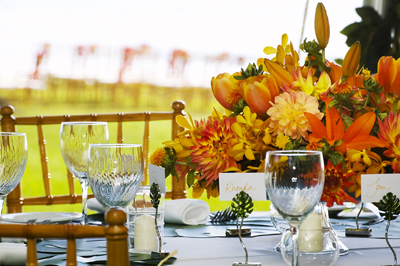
(295, 255)
(1, 207)
(85, 187)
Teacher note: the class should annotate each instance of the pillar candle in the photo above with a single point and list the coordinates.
(310, 234)
(145, 235)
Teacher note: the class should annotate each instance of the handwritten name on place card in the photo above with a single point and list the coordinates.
(232, 183)
(373, 187)
(157, 174)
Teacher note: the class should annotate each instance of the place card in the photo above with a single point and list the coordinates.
(232, 183)
(157, 174)
(374, 187)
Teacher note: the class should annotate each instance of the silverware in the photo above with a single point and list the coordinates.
(30, 221)
(377, 220)
(223, 216)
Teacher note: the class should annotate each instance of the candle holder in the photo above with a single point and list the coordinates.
(363, 231)
(143, 237)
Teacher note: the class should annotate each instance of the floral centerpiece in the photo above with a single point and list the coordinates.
(342, 110)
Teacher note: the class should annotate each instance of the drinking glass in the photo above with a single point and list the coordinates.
(115, 172)
(13, 158)
(294, 181)
(75, 138)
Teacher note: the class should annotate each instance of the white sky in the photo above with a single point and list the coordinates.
(198, 26)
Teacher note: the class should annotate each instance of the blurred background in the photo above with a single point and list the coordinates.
(86, 56)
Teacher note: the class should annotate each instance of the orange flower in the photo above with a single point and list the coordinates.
(335, 183)
(212, 154)
(351, 60)
(281, 75)
(258, 92)
(387, 71)
(287, 114)
(321, 25)
(226, 90)
(356, 136)
(389, 131)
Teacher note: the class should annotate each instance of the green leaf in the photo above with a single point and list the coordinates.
(190, 178)
(242, 204)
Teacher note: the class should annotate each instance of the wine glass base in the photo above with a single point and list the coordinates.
(343, 249)
(246, 264)
(277, 248)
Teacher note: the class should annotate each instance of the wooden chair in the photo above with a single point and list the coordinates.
(15, 200)
(115, 232)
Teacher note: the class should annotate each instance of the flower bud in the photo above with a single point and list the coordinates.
(351, 60)
(321, 25)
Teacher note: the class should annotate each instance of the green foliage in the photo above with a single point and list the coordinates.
(169, 162)
(314, 52)
(390, 205)
(238, 108)
(242, 205)
(155, 195)
(251, 71)
(375, 34)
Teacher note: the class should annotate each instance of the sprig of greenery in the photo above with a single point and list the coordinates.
(251, 71)
(390, 205)
(155, 195)
(242, 205)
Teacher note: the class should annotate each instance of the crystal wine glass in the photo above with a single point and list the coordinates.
(13, 158)
(115, 172)
(75, 138)
(294, 180)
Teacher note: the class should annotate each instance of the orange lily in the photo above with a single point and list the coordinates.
(387, 70)
(321, 26)
(351, 60)
(356, 136)
(258, 92)
(280, 74)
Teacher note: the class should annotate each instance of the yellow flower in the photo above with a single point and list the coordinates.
(280, 51)
(281, 141)
(287, 114)
(157, 157)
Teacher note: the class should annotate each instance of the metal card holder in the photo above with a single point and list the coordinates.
(363, 232)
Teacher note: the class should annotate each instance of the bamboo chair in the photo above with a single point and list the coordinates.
(115, 232)
(15, 200)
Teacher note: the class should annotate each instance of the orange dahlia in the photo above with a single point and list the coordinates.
(389, 131)
(287, 114)
(212, 152)
(335, 183)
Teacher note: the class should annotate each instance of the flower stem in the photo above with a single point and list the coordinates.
(241, 240)
(387, 242)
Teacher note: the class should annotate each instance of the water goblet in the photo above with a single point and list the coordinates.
(294, 181)
(75, 138)
(115, 172)
(13, 158)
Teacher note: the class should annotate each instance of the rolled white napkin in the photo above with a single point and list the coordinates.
(12, 254)
(186, 211)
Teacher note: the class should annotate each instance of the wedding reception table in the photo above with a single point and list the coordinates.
(207, 245)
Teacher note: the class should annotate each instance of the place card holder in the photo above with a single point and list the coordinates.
(364, 231)
(235, 232)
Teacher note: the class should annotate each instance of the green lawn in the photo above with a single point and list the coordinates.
(54, 101)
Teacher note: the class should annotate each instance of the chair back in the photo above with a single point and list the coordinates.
(115, 232)
(9, 123)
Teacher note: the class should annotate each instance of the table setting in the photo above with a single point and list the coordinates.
(312, 133)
